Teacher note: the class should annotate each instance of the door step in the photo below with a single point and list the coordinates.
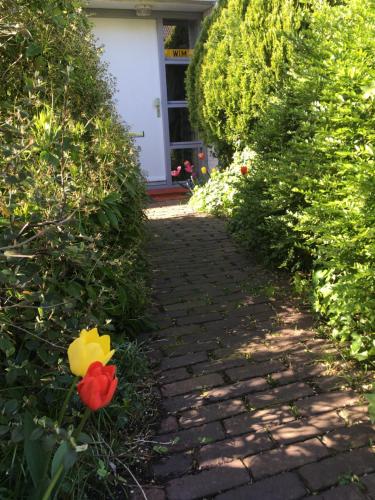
(165, 194)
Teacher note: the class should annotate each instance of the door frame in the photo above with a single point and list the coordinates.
(163, 61)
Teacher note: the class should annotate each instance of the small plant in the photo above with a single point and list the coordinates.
(271, 381)
(371, 408)
(205, 440)
(295, 411)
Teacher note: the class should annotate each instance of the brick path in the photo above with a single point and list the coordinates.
(250, 407)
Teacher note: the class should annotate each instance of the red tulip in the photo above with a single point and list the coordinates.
(201, 155)
(176, 173)
(244, 170)
(98, 386)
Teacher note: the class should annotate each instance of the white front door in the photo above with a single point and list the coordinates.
(131, 51)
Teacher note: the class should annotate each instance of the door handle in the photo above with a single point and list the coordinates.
(157, 106)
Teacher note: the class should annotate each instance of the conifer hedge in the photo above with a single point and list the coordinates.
(71, 237)
(240, 39)
(308, 202)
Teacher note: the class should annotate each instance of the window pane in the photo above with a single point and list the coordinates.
(179, 125)
(179, 157)
(176, 35)
(176, 82)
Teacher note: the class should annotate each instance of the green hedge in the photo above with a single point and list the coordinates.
(308, 202)
(239, 39)
(71, 232)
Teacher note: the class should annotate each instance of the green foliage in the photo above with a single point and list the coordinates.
(71, 232)
(219, 193)
(308, 201)
(371, 409)
(240, 59)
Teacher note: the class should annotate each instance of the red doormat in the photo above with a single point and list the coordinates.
(165, 194)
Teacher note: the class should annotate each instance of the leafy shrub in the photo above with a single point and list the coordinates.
(219, 194)
(71, 212)
(308, 202)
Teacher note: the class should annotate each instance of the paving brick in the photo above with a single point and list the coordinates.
(330, 383)
(354, 414)
(154, 357)
(325, 402)
(350, 437)
(254, 370)
(192, 347)
(289, 334)
(188, 359)
(294, 431)
(235, 390)
(286, 486)
(192, 384)
(174, 465)
(214, 365)
(152, 493)
(369, 483)
(283, 394)
(297, 374)
(256, 420)
(190, 438)
(174, 375)
(168, 424)
(179, 403)
(306, 427)
(178, 331)
(199, 318)
(284, 459)
(349, 492)
(303, 357)
(208, 482)
(328, 472)
(221, 452)
(211, 412)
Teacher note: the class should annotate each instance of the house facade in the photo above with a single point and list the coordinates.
(147, 46)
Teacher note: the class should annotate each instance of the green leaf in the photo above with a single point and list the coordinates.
(49, 441)
(84, 438)
(102, 219)
(36, 434)
(65, 455)
(36, 458)
(70, 458)
(112, 219)
(34, 49)
(371, 409)
(58, 457)
(6, 346)
(160, 449)
(3, 429)
(50, 158)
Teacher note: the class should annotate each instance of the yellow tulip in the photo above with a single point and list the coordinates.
(213, 170)
(204, 170)
(86, 349)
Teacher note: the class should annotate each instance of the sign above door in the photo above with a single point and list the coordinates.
(170, 53)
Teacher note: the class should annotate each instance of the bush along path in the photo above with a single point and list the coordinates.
(254, 404)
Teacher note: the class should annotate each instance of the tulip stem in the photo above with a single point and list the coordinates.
(85, 417)
(66, 401)
(53, 482)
